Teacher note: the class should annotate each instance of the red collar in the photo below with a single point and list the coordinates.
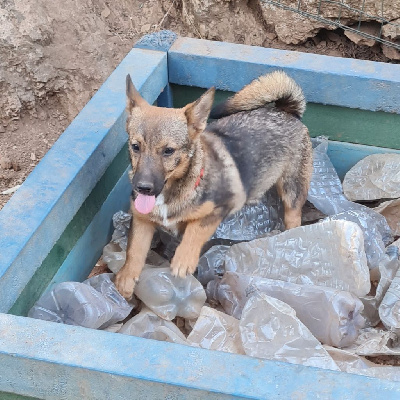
(199, 178)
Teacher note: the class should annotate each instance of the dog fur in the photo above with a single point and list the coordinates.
(201, 173)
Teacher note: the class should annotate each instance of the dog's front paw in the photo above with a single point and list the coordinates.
(125, 283)
(183, 264)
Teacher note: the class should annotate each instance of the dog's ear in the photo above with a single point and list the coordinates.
(134, 99)
(197, 113)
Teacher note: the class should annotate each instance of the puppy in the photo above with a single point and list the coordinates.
(188, 176)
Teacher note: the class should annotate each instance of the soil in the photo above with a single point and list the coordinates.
(27, 135)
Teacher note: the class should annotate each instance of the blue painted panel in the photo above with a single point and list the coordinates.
(327, 80)
(34, 218)
(165, 99)
(346, 155)
(90, 364)
(80, 261)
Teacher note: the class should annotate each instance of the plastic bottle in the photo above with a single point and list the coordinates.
(215, 330)
(170, 296)
(328, 253)
(270, 329)
(333, 316)
(326, 193)
(148, 325)
(95, 303)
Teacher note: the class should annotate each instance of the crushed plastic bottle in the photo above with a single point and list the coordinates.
(270, 329)
(333, 316)
(114, 328)
(390, 305)
(374, 342)
(211, 264)
(121, 222)
(372, 228)
(328, 253)
(253, 221)
(115, 258)
(114, 253)
(215, 330)
(345, 359)
(374, 177)
(385, 372)
(326, 193)
(148, 325)
(170, 296)
(384, 274)
(95, 303)
(391, 211)
(355, 364)
(396, 243)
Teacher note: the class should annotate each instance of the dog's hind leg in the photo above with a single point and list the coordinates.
(293, 185)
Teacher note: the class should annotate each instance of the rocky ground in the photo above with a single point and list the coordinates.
(54, 55)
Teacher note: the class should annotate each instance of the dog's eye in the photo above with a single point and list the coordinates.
(168, 151)
(135, 147)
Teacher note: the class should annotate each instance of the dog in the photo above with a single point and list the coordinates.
(188, 176)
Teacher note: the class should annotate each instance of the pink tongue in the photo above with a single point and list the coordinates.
(144, 204)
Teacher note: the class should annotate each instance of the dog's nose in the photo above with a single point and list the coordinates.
(145, 187)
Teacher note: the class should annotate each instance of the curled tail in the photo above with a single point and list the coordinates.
(274, 87)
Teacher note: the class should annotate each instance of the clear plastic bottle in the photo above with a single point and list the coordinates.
(148, 325)
(328, 253)
(386, 271)
(376, 176)
(215, 330)
(211, 264)
(389, 309)
(333, 316)
(170, 296)
(270, 329)
(253, 221)
(95, 303)
(326, 193)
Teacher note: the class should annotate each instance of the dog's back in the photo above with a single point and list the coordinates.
(265, 140)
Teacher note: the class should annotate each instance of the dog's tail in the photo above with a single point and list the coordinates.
(275, 87)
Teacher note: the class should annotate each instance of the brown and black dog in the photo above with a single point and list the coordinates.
(188, 176)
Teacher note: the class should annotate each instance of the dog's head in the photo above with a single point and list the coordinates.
(161, 140)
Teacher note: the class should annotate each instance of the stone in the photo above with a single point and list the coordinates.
(5, 163)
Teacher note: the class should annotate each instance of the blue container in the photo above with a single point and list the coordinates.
(54, 228)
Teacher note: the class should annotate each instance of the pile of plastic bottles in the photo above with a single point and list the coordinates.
(312, 295)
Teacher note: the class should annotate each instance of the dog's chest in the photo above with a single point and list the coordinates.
(161, 212)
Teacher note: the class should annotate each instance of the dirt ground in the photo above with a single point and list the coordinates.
(82, 63)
